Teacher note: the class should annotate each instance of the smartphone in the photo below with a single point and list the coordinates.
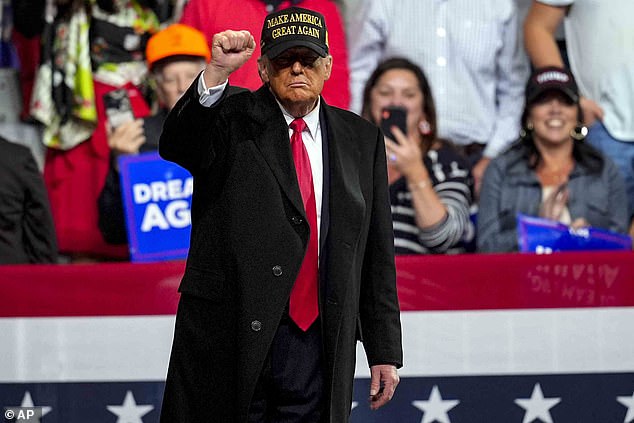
(393, 116)
(118, 107)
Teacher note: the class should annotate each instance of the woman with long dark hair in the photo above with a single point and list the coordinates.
(430, 185)
(550, 172)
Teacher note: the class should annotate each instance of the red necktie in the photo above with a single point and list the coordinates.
(303, 307)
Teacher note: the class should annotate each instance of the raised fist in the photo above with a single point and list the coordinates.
(229, 51)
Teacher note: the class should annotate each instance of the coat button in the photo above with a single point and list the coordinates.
(256, 326)
(296, 220)
(277, 270)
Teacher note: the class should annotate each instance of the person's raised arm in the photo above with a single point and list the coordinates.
(540, 26)
(187, 137)
(229, 51)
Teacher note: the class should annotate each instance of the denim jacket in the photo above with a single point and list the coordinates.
(510, 187)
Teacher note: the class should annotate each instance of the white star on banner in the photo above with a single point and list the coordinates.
(435, 408)
(629, 403)
(354, 405)
(537, 407)
(129, 411)
(27, 401)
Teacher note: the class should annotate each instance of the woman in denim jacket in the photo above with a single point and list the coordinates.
(550, 172)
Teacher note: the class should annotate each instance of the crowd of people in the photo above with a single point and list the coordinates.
(500, 118)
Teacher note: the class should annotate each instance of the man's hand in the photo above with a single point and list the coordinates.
(229, 51)
(383, 382)
(591, 111)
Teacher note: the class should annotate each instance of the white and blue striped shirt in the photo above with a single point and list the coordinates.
(454, 186)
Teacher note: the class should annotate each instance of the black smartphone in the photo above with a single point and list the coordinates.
(118, 107)
(393, 116)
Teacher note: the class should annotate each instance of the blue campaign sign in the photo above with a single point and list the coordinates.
(157, 202)
(543, 236)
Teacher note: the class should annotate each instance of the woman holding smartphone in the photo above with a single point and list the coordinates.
(430, 184)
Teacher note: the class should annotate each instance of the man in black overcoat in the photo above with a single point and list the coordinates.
(283, 275)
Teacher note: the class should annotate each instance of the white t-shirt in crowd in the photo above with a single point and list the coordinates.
(600, 43)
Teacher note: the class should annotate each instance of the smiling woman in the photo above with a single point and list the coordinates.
(550, 172)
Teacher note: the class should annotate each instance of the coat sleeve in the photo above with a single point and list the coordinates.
(40, 242)
(188, 132)
(379, 308)
(493, 235)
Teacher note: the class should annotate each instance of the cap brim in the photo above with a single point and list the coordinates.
(564, 90)
(278, 49)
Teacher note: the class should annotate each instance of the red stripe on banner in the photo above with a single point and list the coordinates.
(515, 281)
(112, 289)
(459, 282)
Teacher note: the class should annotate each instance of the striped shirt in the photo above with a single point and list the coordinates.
(453, 184)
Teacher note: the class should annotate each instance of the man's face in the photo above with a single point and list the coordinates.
(296, 77)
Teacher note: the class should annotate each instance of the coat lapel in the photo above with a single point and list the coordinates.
(272, 140)
(325, 198)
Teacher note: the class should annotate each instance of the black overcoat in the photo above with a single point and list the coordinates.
(249, 235)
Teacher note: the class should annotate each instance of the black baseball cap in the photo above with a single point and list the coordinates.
(551, 78)
(294, 27)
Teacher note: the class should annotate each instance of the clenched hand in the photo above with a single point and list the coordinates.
(229, 51)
